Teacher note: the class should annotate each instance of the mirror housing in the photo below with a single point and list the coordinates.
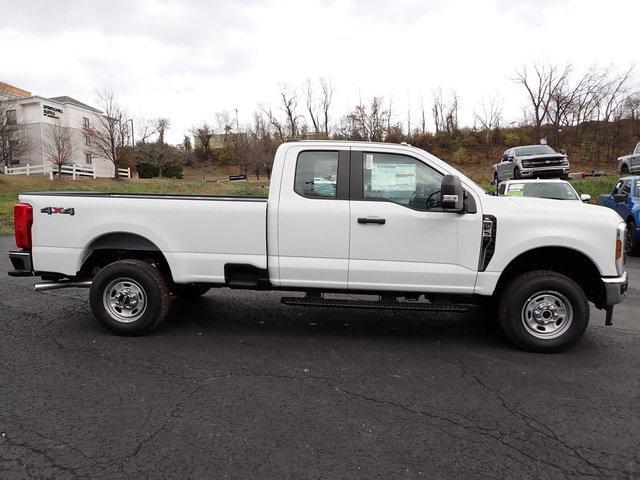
(619, 197)
(585, 197)
(452, 194)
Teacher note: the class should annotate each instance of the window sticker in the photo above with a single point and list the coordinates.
(368, 161)
(515, 190)
(393, 177)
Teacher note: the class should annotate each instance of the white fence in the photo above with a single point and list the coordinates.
(74, 170)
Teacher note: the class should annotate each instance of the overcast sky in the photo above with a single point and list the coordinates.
(188, 59)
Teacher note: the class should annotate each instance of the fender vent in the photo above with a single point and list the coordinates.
(489, 227)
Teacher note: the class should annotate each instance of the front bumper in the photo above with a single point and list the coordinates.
(22, 265)
(538, 171)
(615, 288)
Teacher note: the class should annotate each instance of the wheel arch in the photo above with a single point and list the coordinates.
(113, 246)
(565, 260)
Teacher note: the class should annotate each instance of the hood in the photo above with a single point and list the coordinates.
(552, 207)
(548, 208)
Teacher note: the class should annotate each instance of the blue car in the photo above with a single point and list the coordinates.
(625, 199)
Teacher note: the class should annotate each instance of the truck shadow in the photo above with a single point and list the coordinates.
(231, 313)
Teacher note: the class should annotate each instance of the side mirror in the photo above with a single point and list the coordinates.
(619, 197)
(452, 194)
(585, 197)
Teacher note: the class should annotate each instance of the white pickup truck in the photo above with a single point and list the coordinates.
(391, 221)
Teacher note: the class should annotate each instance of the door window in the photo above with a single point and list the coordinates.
(316, 174)
(400, 179)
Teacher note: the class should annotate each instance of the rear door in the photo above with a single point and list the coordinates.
(400, 239)
(313, 218)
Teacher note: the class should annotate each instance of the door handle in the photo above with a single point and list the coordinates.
(376, 221)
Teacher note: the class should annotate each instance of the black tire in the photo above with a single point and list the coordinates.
(558, 292)
(516, 173)
(631, 240)
(140, 284)
(624, 169)
(190, 291)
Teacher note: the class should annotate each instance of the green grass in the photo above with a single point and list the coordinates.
(11, 185)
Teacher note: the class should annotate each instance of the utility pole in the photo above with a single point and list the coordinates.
(237, 125)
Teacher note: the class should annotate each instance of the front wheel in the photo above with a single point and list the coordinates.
(543, 311)
(129, 297)
(516, 173)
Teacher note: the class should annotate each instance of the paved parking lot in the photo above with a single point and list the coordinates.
(237, 385)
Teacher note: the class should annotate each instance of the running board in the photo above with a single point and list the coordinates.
(326, 302)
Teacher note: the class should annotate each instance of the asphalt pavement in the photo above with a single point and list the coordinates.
(236, 385)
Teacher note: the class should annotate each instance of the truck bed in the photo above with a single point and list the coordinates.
(198, 234)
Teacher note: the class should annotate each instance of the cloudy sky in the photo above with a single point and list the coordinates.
(188, 59)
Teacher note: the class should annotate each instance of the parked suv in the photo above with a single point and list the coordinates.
(630, 163)
(531, 161)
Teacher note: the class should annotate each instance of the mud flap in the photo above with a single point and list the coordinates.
(609, 315)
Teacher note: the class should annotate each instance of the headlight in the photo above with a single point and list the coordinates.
(527, 164)
(565, 161)
(620, 246)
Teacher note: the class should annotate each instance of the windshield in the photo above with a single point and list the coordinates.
(556, 190)
(534, 150)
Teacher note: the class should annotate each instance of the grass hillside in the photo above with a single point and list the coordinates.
(11, 186)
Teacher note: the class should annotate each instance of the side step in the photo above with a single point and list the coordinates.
(311, 301)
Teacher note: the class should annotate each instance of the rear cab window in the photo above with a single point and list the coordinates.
(317, 174)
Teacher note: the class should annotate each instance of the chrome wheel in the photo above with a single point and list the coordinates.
(125, 300)
(547, 314)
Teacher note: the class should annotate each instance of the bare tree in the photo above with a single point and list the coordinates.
(111, 136)
(489, 115)
(538, 87)
(368, 122)
(58, 148)
(14, 144)
(160, 155)
(445, 111)
(318, 106)
(162, 124)
(202, 146)
(146, 129)
(289, 105)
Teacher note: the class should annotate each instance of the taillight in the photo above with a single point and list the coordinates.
(618, 249)
(22, 221)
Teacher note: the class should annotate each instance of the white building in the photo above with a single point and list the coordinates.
(36, 115)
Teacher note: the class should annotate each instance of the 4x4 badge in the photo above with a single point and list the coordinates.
(58, 210)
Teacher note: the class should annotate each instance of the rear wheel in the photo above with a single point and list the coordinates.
(543, 311)
(129, 297)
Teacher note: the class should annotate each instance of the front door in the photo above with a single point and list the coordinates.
(401, 240)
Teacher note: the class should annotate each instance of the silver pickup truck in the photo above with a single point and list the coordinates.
(531, 161)
(630, 163)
